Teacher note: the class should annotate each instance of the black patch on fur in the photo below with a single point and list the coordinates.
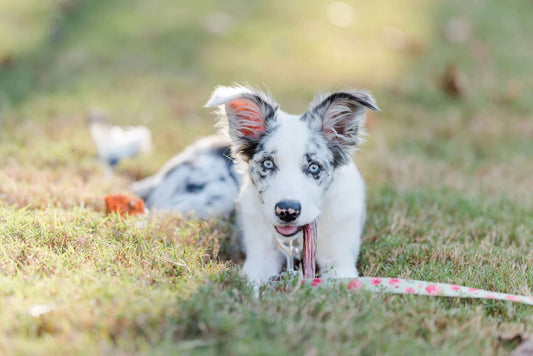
(360, 98)
(188, 164)
(322, 178)
(225, 153)
(258, 173)
(113, 161)
(212, 200)
(340, 157)
(249, 146)
(194, 188)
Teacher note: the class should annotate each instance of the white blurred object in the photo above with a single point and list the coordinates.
(39, 309)
(115, 143)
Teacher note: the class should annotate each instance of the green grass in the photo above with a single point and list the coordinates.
(449, 192)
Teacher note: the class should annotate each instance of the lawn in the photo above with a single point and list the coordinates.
(447, 165)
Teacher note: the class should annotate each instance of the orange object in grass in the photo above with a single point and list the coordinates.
(122, 204)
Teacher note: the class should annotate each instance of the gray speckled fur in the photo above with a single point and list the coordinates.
(201, 181)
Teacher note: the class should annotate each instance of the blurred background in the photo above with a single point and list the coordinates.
(453, 79)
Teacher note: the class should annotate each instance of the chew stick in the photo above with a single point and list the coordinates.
(309, 250)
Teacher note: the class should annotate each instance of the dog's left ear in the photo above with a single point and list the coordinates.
(340, 116)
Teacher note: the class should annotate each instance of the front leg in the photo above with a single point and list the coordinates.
(338, 268)
(337, 251)
(259, 267)
(263, 257)
(260, 264)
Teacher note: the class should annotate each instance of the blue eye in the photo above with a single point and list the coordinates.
(314, 168)
(267, 164)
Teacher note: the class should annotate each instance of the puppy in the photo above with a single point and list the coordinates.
(297, 169)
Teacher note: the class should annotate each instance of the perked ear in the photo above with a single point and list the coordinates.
(247, 110)
(247, 113)
(342, 116)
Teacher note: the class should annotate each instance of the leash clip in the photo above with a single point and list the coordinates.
(290, 251)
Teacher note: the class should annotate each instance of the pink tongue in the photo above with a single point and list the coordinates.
(286, 230)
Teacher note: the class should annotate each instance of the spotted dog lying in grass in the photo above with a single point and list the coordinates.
(291, 170)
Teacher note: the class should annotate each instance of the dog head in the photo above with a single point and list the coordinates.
(291, 159)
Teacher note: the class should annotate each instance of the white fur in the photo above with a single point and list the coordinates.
(338, 208)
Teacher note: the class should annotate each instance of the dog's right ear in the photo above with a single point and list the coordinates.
(247, 113)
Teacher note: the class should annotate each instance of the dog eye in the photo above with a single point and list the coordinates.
(314, 168)
(267, 164)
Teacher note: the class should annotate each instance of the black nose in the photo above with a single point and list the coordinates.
(288, 210)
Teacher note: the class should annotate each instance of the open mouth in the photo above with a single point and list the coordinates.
(288, 231)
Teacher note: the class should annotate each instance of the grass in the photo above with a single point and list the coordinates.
(449, 195)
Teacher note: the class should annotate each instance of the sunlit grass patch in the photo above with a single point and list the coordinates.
(98, 281)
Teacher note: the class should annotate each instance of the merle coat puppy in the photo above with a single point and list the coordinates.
(297, 169)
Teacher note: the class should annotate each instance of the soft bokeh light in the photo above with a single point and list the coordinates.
(341, 14)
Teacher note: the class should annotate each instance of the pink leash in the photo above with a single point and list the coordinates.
(406, 286)
(385, 285)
